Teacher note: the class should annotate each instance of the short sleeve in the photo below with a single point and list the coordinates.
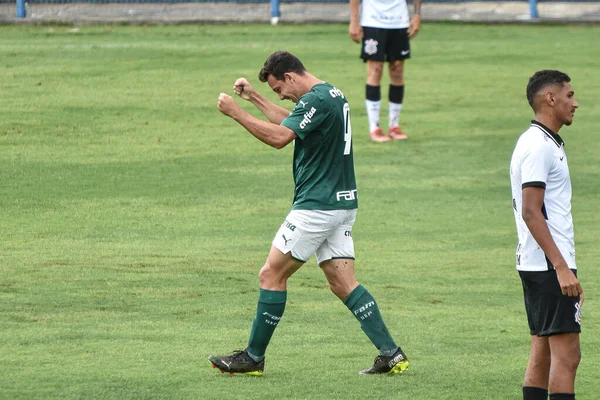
(307, 116)
(535, 166)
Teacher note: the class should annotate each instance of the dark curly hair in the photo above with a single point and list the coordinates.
(542, 79)
(278, 63)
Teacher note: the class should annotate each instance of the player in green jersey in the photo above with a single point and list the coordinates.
(323, 211)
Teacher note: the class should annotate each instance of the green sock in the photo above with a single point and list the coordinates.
(269, 311)
(365, 309)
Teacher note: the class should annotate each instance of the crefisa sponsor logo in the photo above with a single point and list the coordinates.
(307, 118)
(289, 225)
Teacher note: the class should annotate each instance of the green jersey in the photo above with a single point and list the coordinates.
(323, 160)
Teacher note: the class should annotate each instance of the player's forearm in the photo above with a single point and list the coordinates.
(354, 10)
(417, 5)
(274, 113)
(535, 221)
(267, 132)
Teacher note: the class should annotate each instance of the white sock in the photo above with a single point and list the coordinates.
(394, 113)
(373, 114)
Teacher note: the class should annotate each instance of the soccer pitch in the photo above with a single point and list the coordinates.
(135, 217)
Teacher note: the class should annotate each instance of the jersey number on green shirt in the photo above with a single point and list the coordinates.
(348, 132)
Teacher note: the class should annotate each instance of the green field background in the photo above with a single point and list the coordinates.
(134, 217)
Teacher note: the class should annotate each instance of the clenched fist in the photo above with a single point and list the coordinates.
(242, 88)
(227, 105)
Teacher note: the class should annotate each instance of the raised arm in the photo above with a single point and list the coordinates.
(272, 111)
(271, 133)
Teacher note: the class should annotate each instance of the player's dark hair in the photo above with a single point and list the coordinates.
(542, 79)
(278, 63)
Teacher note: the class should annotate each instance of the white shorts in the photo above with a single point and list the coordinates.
(327, 234)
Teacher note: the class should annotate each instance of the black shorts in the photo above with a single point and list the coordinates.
(385, 44)
(549, 312)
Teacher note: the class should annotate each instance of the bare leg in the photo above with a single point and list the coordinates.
(538, 368)
(277, 269)
(340, 275)
(396, 70)
(374, 72)
(566, 354)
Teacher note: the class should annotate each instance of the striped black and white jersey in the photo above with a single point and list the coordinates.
(539, 159)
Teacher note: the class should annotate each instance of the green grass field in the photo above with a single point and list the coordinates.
(134, 217)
